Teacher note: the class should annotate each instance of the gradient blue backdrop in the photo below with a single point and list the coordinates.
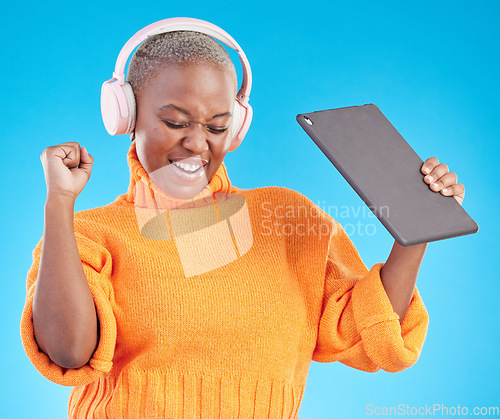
(431, 66)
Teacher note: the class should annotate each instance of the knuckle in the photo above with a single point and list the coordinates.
(431, 164)
(45, 152)
(450, 177)
(443, 167)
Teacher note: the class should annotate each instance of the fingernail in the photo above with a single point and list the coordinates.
(429, 178)
(435, 185)
(426, 170)
(445, 190)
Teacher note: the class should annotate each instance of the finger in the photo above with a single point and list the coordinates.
(70, 155)
(85, 157)
(436, 173)
(457, 189)
(428, 165)
(447, 179)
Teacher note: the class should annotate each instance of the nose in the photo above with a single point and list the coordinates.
(196, 139)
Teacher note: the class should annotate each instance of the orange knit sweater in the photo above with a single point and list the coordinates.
(216, 308)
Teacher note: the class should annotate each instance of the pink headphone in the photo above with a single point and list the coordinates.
(118, 106)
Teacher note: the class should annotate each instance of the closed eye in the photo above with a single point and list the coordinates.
(217, 130)
(173, 125)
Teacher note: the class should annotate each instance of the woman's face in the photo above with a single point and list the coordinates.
(184, 114)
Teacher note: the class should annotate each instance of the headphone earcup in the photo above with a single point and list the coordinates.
(244, 119)
(235, 121)
(118, 107)
(129, 93)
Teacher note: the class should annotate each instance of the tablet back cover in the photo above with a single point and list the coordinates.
(385, 172)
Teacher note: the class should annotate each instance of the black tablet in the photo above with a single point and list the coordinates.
(385, 172)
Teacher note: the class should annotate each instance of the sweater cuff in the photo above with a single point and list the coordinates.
(391, 345)
(101, 361)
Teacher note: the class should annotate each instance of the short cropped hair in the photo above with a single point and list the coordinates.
(179, 47)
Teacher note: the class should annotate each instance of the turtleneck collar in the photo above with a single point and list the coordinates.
(142, 191)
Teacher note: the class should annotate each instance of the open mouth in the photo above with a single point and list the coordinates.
(188, 172)
(187, 168)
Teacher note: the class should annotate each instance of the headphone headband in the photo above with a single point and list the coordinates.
(118, 105)
(185, 24)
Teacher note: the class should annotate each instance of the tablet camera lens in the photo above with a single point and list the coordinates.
(308, 120)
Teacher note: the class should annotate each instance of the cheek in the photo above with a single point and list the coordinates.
(158, 138)
(221, 147)
(153, 145)
(218, 151)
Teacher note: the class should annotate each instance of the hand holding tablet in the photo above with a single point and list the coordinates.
(441, 180)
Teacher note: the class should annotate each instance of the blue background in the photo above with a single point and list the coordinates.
(431, 67)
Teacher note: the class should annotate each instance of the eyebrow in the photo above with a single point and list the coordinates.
(185, 112)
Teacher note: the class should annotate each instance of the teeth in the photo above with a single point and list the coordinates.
(188, 167)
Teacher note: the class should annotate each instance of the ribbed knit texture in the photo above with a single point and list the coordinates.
(216, 310)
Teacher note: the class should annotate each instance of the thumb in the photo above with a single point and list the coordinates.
(86, 159)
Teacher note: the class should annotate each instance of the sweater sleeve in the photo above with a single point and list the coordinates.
(97, 265)
(358, 326)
